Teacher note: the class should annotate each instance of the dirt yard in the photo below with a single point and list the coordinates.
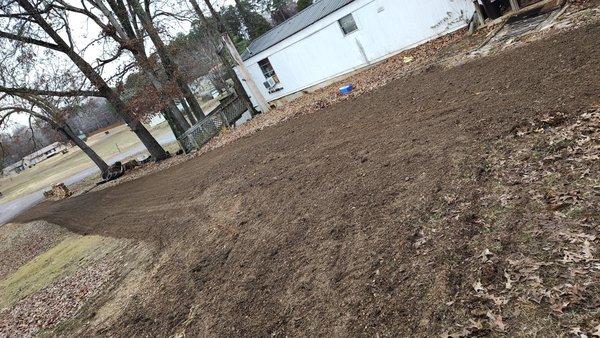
(461, 201)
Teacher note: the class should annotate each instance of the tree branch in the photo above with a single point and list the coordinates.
(102, 63)
(5, 117)
(68, 93)
(107, 29)
(30, 40)
(32, 132)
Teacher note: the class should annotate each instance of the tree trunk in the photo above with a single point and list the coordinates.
(197, 117)
(63, 127)
(176, 130)
(188, 112)
(149, 73)
(85, 148)
(178, 117)
(127, 33)
(66, 130)
(174, 126)
(136, 126)
(237, 84)
(170, 66)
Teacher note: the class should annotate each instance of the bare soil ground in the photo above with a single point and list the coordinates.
(452, 201)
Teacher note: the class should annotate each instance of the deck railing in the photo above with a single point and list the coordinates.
(225, 115)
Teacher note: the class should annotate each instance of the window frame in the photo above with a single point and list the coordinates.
(351, 16)
(262, 64)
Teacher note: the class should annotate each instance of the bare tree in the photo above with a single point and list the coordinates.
(124, 30)
(26, 25)
(53, 116)
(92, 114)
(171, 68)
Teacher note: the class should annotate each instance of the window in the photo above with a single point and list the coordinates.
(270, 76)
(348, 24)
(266, 68)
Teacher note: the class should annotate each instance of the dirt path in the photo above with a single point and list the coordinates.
(314, 227)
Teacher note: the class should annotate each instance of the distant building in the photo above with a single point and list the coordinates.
(331, 38)
(42, 154)
(14, 168)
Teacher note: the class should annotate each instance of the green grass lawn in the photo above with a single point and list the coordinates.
(58, 168)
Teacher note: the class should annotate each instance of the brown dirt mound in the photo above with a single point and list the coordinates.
(368, 218)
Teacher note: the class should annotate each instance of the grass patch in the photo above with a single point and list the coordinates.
(41, 271)
(552, 179)
(60, 167)
(560, 145)
(576, 213)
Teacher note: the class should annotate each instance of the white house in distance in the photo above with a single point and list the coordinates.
(42, 154)
(35, 158)
(333, 37)
(14, 168)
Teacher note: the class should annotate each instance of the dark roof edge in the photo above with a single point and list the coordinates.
(245, 56)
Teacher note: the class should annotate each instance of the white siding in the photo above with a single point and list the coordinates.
(385, 27)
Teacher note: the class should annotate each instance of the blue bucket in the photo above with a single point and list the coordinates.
(346, 89)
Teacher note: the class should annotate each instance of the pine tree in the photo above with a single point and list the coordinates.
(302, 4)
(256, 24)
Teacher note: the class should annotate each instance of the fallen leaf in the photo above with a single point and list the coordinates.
(463, 333)
(508, 280)
(498, 301)
(496, 321)
(476, 325)
(486, 255)
(587, 251)
(558, 307)
(577, 331)
(478, 287)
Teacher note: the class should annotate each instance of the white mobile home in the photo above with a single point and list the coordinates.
(334, 37)
(14, 168)
(42, 154)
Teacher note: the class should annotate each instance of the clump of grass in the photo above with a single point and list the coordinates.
(560, 145)
(551, 179)
(576, 213)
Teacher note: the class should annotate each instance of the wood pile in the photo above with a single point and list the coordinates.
(58, 191)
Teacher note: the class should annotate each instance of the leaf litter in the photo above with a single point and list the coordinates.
(550, 164)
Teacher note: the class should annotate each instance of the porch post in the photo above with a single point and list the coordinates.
(514, 5)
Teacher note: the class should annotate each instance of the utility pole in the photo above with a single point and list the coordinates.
(263, 105)
(514, 5)
(480, 17)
